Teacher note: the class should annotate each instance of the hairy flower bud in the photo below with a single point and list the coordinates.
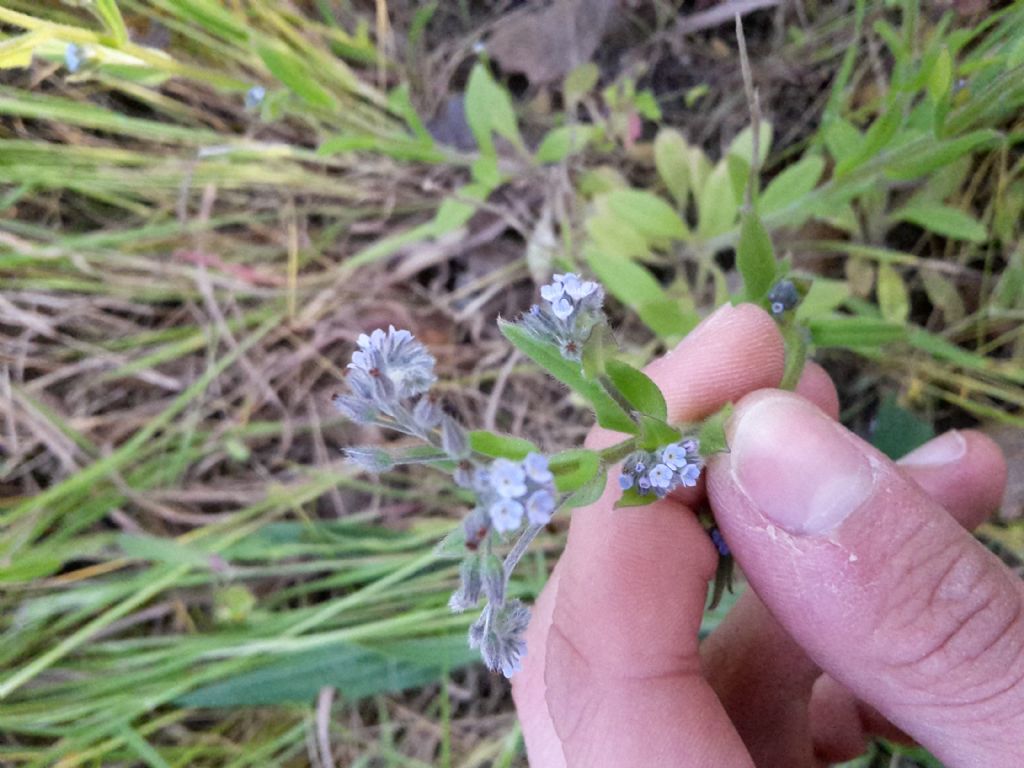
(370, 459)
(470, 584)
(454, 440)
(492, 574)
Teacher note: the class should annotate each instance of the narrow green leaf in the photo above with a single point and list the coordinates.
(792, 184)
(109, 13)
(489, 110)
(290, 70)
(637, 389)
(940, 78)
(500, 446)
(716, 204)
(842, 139)
(564, 141)
(878, 136)
(893, 298)
(609, 413)
(854, 332)
(755, 257)
(943, 295)
(647, 213)
(944, 220)
(356, 671)
(670, 158)
(574, 468)
(927, 155)
(823, 297)
(638, 289)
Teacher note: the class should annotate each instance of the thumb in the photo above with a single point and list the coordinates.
(882, 588)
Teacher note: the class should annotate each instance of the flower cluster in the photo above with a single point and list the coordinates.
(511, 490)
(662, 471)
(390, 377)
(387, 372)
(572, 308)
(783, 296)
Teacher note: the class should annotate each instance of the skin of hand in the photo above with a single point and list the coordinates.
(872, 609)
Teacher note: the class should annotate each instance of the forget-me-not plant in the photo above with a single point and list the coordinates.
(516, 490)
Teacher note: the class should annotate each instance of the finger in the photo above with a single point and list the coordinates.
(882, 588)
(765, 679)
(620, 669)
(816, 385)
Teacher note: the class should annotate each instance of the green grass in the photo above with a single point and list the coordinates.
(185, 559)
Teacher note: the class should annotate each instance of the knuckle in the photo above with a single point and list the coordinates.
(960, 624)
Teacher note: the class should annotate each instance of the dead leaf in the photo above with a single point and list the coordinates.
(546, 44)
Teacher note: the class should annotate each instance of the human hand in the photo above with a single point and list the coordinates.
(871, 606)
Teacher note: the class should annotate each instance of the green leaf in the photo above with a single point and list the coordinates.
(489, 110)
(500, 446)
(647, 213)
(854, 332)
(161, 550)
(712, 435)
(940, 78)
(563, 141)
(356, 671)
(670, 158)
(823, 296)
(927, 155)
(792, 185)
(654, 433)
(637, 389)
(633, 498)
(881, 132)
(638, 289)
(290, 70)
(943, 295)
(109, 13)
(843, 139)
(743, 145)
(755, 257)
(944, 220)
(893, 298)
(616, 237)
(609, 413)
(579, 82)
(716, 204)
(589, 493)
(574, 468)
(898, 431)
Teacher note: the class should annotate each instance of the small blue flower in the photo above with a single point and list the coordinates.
(691, 446)
(674, 456)
(508, 478)
(689, 475)
(639, 468)
(562, 308)
(540, 506)
(254, 96)
(661, 477)
(74, 57)
(783, 296)
(643, 485)
(506, 515)
(551, 292)
(536, 466)
(626, 481)
(577, 289)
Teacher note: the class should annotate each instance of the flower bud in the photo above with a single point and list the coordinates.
(470, 583)
(370, 459)
(492, 573)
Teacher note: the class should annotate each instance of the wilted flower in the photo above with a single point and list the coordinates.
(783, 296)
(498, 633)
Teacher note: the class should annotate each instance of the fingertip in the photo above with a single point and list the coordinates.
(735, 350)
(816, 385)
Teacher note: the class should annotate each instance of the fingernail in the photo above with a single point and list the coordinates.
(944, 449)
(797, 466)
